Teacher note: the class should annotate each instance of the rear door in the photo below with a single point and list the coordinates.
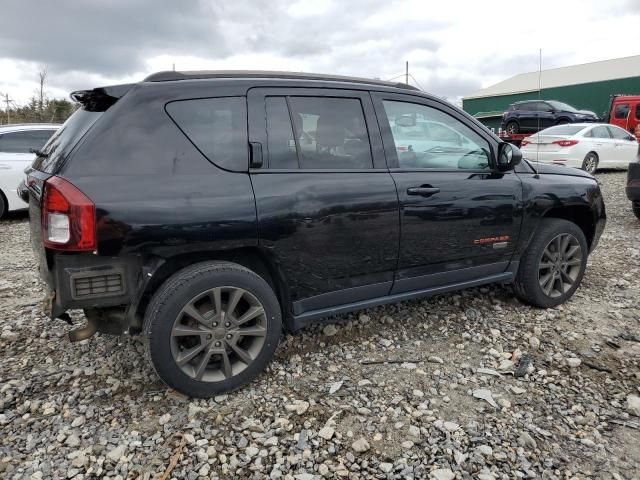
(459, 217)
(604, 145)
(327, 206)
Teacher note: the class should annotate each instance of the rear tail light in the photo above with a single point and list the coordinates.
(68, 217)
(565, 143)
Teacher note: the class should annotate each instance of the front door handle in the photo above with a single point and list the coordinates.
(423, 191)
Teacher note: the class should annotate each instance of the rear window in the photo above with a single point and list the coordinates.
(563, 130)
(63, 141)
(217, 127)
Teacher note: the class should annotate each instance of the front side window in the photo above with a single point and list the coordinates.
(638, 112)
(317, 133)
(619, 133)
(425, 137)
(621, 111)
(216, 126)
(23, 142)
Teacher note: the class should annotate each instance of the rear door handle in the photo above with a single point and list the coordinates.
(424, 191)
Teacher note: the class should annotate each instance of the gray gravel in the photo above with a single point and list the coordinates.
(480, 386)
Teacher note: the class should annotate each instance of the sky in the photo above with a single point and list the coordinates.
(453, 48)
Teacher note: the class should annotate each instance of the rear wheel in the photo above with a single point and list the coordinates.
(212, 328)
(590, 163)
(512, 128)
(553, 265)
(4, 207)
(636, 209)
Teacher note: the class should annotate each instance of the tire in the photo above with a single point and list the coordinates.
(4, 206)
(635, 206)
(203, 361)
(563, 121)
(536, 264)
(590, 163)
(512, 127)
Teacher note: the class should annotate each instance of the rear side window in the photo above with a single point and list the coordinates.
(323, 132)
(621, 111)
(22, 142)
(217, 127)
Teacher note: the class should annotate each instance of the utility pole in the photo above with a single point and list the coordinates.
(7, 101)
(406, 75)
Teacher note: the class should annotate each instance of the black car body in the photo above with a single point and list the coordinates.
(633, 185)
(331, 228)
(534, 115)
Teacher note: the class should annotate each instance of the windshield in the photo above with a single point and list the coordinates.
(563, 130)
(63, 141)
(561, 106)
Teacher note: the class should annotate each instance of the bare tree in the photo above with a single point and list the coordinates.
(42, 75)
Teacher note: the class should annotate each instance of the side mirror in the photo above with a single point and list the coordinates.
(508, 156)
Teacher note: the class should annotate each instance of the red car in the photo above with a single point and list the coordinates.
(625, 113)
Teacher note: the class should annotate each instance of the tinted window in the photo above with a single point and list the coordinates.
(217, 127)
(600, 132)
(561, 106)
(425, 137)
(21, 142)
(619, 133)
(562, 130)
(638, 112)
(543, 107)
(330, 133)
(281, 145)
(621, 111)
(528, 107)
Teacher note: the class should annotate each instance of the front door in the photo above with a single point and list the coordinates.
(459, 217)
(327, 206)
(626, 146)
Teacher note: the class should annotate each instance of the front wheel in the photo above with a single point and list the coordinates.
(590, 163)
(212, 328)
(636, 209)
(553, 265)
(4, 206)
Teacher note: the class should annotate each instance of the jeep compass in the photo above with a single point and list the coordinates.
(208, 211)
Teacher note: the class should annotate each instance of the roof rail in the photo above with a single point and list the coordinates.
(170, 75)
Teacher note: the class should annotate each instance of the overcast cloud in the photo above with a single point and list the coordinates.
(453, 48)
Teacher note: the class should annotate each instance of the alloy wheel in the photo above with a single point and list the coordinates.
(590, 164)
(218, 333)
(559, 265)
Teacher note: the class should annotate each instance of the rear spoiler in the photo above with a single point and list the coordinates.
(100, 99)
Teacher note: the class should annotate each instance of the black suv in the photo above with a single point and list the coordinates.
(534, 115)
(210, 210)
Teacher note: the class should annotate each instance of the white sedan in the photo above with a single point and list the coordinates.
(588, 146)
(16, 142)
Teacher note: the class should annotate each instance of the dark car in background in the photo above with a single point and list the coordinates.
(208, 210)
(535, 115)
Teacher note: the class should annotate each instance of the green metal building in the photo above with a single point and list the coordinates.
(586, 87)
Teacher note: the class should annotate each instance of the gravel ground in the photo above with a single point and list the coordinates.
(475, 385)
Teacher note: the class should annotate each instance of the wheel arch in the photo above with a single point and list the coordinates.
(581, 215)
(254, 258)
(5, 200)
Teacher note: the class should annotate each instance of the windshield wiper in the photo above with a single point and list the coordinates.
(39, 153)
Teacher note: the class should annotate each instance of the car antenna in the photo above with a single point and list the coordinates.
(535, 169)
